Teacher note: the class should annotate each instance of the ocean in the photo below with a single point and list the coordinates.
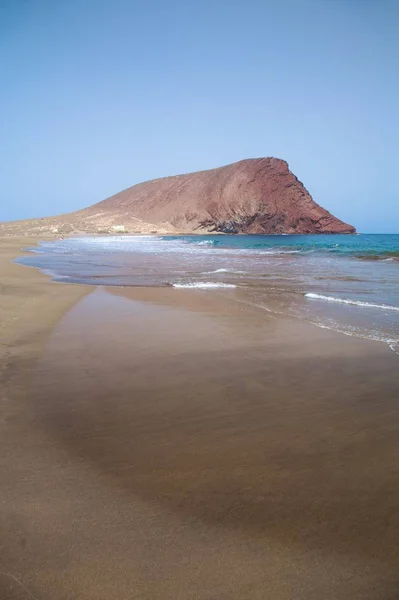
(347, 283)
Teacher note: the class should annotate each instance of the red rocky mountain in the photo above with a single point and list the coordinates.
(257, 195)
(251, 196)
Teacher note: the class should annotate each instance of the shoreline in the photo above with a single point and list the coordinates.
(392, 344)
(24, 289)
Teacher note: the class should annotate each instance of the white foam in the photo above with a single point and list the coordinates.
(283, 251)
(352, 332)
(222, 271)
(351, 302)
(204, 285)
(53, 274)
(394, 346)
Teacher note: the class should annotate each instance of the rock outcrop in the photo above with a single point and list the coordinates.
(258, 195)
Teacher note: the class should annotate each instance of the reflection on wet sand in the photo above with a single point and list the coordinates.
(201, 450)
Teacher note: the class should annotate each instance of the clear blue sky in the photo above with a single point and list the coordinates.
(98, 95)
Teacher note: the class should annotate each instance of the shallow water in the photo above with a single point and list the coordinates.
(346, 283)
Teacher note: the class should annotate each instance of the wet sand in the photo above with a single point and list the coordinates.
(163, 443)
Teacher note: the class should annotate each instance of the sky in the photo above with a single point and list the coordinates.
(97, 95)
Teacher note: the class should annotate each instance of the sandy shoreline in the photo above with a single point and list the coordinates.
(162, 443)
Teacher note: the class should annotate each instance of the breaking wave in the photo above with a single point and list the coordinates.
(351, 302)
(204, 285)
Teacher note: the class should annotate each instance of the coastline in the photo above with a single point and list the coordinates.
(164, 443)
(30, 303)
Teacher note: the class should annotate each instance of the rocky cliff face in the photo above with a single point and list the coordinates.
(258, 195)
(251, 196)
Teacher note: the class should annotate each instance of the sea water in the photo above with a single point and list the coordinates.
(348, 283)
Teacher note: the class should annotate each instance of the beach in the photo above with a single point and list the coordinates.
(162, 443)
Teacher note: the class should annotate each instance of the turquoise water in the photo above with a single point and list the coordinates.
(371, 246)
(348, 283)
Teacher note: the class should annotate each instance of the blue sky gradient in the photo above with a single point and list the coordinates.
(100, 95)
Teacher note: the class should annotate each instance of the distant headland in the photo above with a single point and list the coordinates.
(257, 195)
